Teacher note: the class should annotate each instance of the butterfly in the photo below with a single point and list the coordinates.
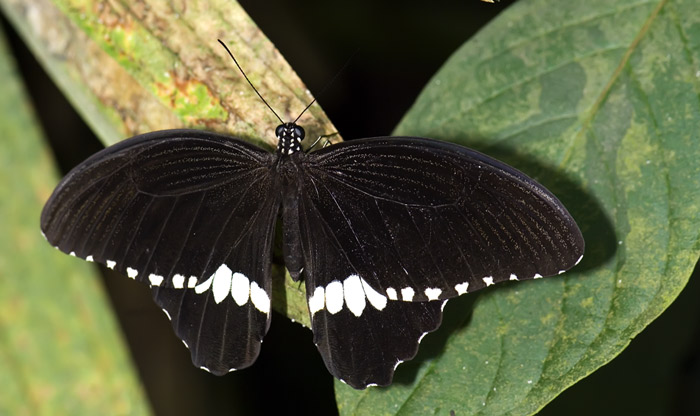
(383, 231)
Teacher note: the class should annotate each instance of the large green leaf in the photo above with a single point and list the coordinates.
(61, 351)
(599, 101)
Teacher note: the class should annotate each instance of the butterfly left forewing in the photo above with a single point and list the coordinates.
(187, 211)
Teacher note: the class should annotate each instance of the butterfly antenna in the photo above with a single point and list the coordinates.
(251, 84)
(328, 84)
(326, 142)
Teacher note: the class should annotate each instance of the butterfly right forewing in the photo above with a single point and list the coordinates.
(437, 218)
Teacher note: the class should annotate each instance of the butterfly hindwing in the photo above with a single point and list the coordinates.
(365, 350)
(361, 335)
(221, 337)
(190, 213)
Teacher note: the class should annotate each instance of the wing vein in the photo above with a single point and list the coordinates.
(187, 236)
(225, 224)
(158, 240)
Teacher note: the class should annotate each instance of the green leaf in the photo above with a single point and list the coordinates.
(61, 351)
(598, 100)
(633, 384)
(130, 68)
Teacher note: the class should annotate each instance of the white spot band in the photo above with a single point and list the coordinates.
(224, 282)
(354, 292)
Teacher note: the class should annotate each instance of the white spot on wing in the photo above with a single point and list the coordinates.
(72, 253)
(433, 293)
(513, 276)
(89, 258)
(132, 273)
(111, 264)
(221, 286)
(407, 294)
(461, 288)
(354, 295)
(192, 282)
(334, 297)
(178, 281)
(537, 276)
(204, 286)
(488, 280)
(391, 292)
(167, 314)
(240, 288)
(579, 260)
(317, 300)
(260, 298)
(376, 299)
(155, 279)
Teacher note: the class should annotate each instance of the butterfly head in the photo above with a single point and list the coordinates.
(289, 136)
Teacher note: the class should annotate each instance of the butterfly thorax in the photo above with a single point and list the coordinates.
(289, 137)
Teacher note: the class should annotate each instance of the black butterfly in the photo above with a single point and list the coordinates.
(384, 231)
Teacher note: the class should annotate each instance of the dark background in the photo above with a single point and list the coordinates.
(398, 50)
